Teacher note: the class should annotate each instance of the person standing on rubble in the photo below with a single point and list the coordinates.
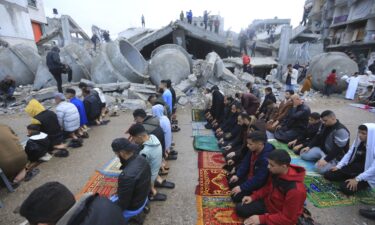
(217, 24)
(189, 16)
(143, 21)
(106, 36)
(205, 19)
(57, 68)
(182, 16)
(243, 42)
(95, 39)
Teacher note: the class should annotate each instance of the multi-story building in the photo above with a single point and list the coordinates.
(22, 21)
(345, 25)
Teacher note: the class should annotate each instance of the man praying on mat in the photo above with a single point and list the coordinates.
(295, 122)
(281, 200)
(252, 173)
(329, 145)
(356, 170)
(151, 150)
(134, 180)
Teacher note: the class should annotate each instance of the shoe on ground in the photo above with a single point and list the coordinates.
(368, 213)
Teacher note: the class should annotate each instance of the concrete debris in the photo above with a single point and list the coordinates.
(169, 61)
(119, 61)
(114, 86)
(183, 100)
(133, 104)
(245, 77)
(19, 61)
(187, 84)
(322, 65)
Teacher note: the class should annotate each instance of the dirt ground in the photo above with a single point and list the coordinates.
(180, 208)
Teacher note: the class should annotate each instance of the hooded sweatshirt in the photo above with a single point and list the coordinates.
(369, 172)
(37, 146)
(153, 153)
(165, 124)
(34, 108)
(283, 196)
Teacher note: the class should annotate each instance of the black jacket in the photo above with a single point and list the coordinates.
(37, 146)
(49, 123)
(269, 97)
(53, 59)
(134, 183)
(217, 109)
(93, 210)
(174, 97)
(93, 106)
(297, 118)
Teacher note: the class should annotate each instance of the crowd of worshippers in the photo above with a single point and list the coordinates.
(143, 152)
(51, 131)
(267, 188)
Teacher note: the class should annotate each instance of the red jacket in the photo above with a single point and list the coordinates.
(283, 208)
(331, 79)
(246, 59)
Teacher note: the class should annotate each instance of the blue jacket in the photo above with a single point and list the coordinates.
(81, 109)
(260, 170)
(167, 97)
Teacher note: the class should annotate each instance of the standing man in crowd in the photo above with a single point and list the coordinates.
(57, 68)
(167, 95)
(330, 83)
(290, 77)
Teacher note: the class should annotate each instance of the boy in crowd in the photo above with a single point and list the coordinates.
(305, 138)
(281, 200)
(329, 145)
(252, 173)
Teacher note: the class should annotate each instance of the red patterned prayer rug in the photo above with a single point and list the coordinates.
(210, 160)
(212, 182)
(98, 183)
(218, 210)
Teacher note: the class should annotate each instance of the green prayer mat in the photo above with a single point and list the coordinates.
(206, 143)
(323, 193)
(197, 115)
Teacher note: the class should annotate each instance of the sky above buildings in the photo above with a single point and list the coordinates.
(118, 15)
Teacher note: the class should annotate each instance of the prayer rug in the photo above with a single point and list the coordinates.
(217, 210)
(98, 183)
(112, 168)
(206, 143)
(212, 182)
(363, 107)
(198, 125)
(323, 193)
(210, 160)
(197, 115)
(201, 132)
(309, 166)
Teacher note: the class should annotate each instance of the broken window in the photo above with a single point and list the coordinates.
(31, 3)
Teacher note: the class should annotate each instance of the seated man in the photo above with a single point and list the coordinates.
(281, 200)
(134, 181)
(252, 173)
(268, 97)
(12, 156)
(269, 112)
(68, 117)
(7, 88)
(284, 107)
(36, 149)
(229, 123)
(70, 94)
(305, 138)
(295, 122)
(152, 126)
(371, 100)
(249, 102)
(53, 203)
(49, 124)
(329, 145)
(216, 112)
(93, 106)
(356, 170)
(151, 149)
(363, 97)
